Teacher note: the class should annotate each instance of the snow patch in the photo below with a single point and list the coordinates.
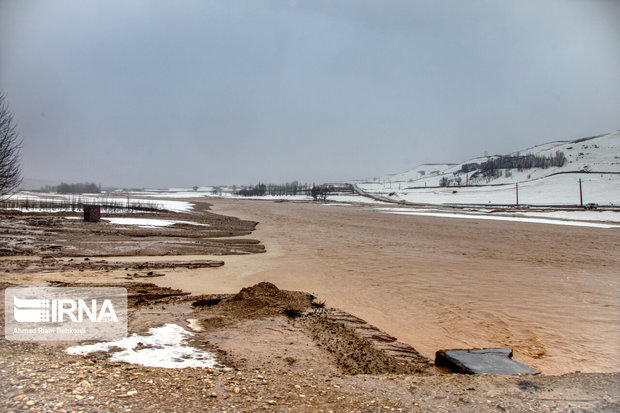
(149, 222)
(165, 346)
(606, 216)
(404, 211)
(175, 206)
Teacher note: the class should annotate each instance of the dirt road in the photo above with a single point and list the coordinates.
(551, 292)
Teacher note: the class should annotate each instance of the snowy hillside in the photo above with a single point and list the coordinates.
(546, 174)
(422, 171)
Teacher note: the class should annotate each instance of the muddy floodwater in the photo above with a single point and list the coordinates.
(551, 292)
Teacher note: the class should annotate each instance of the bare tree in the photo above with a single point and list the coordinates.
(315, 192)
(320, 191)
(10, 144)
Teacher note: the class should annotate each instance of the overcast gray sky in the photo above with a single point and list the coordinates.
(160, 93)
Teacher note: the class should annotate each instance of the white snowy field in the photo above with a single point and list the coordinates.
(562, 189)
(52, 199)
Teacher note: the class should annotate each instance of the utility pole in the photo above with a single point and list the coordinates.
(580, 194)
(517, 189)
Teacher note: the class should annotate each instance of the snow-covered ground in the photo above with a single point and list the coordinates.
(601, 216)
(164, 346)
(60, 199)
(570, 218)
(595, 161)
(422, 171)
(562, 189)
(175, 206)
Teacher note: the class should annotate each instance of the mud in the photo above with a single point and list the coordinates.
(49, 264)
(67, 235)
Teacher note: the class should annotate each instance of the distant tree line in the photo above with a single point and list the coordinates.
(292, 188)
(519, 162)
(253, 190)
(502, 165)
(79, 188)
(288, 188)
(74, 204)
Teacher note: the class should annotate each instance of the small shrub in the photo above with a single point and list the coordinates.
(318, 304)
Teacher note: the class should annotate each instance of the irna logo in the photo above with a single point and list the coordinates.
(65, 313)
(27, 310)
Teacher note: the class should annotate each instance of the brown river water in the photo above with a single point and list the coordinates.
(551, 292)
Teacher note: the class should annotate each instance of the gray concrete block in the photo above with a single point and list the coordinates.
(491, 361)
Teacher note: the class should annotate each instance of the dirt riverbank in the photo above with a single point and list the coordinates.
(421, 283)
(271, 358)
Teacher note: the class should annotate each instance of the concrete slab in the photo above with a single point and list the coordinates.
(493, 361)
